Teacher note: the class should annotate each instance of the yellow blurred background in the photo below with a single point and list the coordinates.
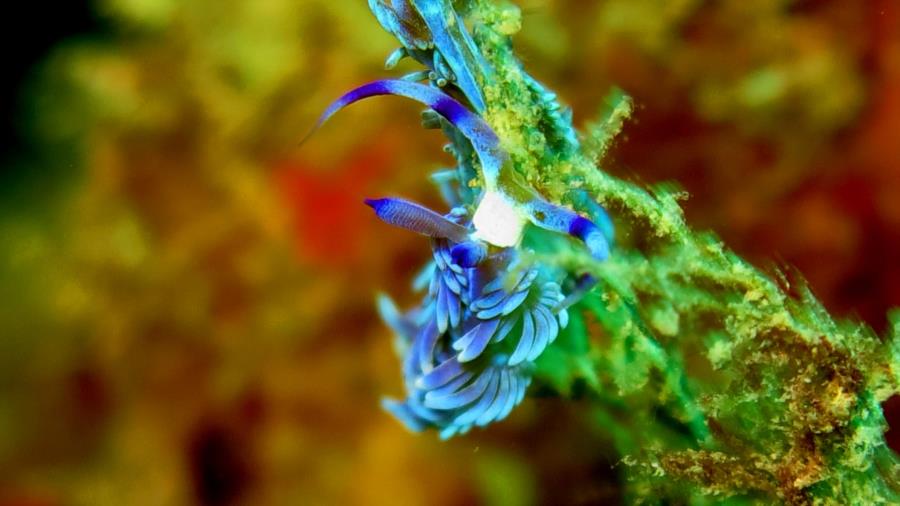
(187, 293)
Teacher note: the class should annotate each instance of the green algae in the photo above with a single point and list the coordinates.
(714, 381)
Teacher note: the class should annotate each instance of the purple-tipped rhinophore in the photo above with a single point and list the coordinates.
(487, 146)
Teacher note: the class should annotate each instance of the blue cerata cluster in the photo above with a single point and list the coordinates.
(468, 348)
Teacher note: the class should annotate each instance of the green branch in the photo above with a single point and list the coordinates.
(711, 378)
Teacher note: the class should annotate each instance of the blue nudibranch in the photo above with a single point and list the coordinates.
(469, 347)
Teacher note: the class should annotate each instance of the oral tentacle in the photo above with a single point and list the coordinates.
(416, 218)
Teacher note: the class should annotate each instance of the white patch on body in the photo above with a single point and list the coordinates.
(497, 221)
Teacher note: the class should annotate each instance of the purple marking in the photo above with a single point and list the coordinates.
(581, 227)
(592, 236)
(450, 109)
(468, 254)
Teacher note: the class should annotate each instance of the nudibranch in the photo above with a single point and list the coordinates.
(488, 314)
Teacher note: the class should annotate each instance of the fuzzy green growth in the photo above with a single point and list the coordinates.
(712, 380)
(617, 108)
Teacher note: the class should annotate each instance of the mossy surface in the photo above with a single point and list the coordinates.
(713, 380)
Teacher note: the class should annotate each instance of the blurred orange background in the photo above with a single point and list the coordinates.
(187, 293)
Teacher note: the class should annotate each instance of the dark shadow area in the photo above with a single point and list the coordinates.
(29, 31)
